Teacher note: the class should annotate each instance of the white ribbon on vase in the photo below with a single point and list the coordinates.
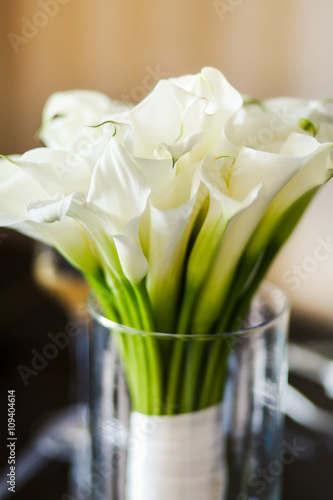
(178, 457)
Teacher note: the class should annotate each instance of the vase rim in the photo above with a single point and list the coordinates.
(281, 301)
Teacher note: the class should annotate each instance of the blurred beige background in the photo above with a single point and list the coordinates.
(264, 47)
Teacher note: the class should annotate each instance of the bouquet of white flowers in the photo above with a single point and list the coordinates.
(173, 211)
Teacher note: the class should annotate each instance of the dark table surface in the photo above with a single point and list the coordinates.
(28, 314)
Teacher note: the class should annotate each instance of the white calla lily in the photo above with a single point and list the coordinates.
(68, 116)
(128, 190)
(172, 217)
(173, 209)
(131, 257)
(279, 174)
(17, 189)
(193, 176)
(260, 123)
(223, 213)
(180, 148)
(196, 107)
(316, 170)
(169, 234)
(49, 210)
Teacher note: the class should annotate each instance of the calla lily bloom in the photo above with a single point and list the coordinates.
(177, 197)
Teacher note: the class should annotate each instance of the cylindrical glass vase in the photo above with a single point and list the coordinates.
(190, 417)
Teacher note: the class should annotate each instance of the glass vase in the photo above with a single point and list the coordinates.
(190, 417)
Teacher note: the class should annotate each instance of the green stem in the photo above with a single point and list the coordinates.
(215, 374)
(104, 296)
(152, 348)
(175, 378)
(191, 380)
(186, 312)
(144, 306)
(130, 370)
(127, 304)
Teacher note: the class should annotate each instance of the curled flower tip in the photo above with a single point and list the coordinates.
(227, 156)
(58, 115)
(325, 100)
(103, 123)
(252, 101)
(308, 126)
(6, 158)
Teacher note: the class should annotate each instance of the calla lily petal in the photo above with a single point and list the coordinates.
(132, 259)
(55, 170)
(167, 100)
(275, 171)
(128, 190)
(16, 188)
(66, 116)
(180, 148)
(213, 86)
(169, 234)
(223, 212)
(49, 210)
